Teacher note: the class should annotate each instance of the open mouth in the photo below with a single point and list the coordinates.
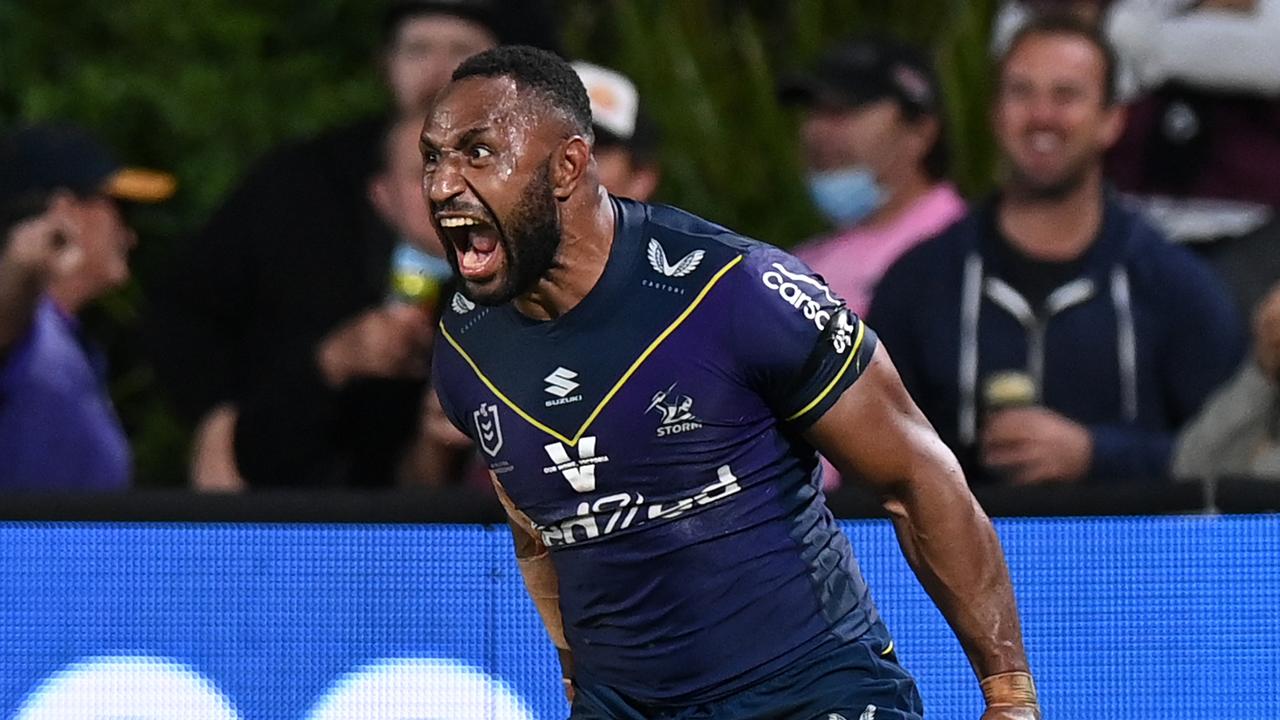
(475, 243)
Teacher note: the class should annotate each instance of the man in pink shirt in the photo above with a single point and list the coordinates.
(876, 154)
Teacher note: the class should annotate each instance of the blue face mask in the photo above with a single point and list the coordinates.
(848, 195)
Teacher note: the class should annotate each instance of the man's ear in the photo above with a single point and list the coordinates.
(569, 166)
(1114, 124)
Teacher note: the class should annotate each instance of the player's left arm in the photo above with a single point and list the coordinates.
(875, 432)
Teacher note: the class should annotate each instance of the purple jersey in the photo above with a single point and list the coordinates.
(58, 429)
(652, 435)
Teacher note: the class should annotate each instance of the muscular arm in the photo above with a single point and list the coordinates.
(539, 579)
(875, 433)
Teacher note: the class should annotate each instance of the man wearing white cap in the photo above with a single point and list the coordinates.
(626, 142)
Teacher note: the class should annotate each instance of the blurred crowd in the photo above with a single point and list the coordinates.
(1109, 314)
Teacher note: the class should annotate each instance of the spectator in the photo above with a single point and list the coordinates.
(273, 335)
(1237, 434)
(63, 243)
(422, 277)
(1201, 150)
(1118, 336)
(876, 153)
(626, 148)
(420, 273)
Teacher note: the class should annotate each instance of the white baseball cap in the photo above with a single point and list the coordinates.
(615, 102)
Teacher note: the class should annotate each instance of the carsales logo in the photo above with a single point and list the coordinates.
(147, 688)
(788, 285)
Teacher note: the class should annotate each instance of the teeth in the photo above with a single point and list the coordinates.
(1044, 142)
(452, 222)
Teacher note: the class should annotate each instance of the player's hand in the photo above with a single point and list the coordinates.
(566, 672)
(1266, 335)
(386, 342)
(1034, 445)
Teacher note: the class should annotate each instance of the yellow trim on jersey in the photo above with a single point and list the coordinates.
(494, 389)
(621, 381)
(857, 345)
(887, 650)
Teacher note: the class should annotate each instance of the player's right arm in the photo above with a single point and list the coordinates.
(532, 556)
(875, 432)
(539, 579)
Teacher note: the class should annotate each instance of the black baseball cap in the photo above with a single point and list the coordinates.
(39, 159)
(860, 71)
(512, 22)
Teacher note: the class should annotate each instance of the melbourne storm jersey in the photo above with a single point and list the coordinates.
(651, 434)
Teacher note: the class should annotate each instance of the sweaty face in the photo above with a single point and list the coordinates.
(424, 53)
(1051, 116)
(487, 178)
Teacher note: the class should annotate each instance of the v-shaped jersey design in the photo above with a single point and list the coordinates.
(653, 436)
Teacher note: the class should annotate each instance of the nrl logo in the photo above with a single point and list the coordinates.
(686, 264)
(488, 429)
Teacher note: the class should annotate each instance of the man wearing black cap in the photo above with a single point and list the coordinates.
(273, 334)
(874, 147)
(63, 243)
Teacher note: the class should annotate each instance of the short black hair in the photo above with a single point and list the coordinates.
(544, 73)
(1058, 22)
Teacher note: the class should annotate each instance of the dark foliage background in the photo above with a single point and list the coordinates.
(202, 87)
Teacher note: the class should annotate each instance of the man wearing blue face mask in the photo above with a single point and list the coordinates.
(876, 156)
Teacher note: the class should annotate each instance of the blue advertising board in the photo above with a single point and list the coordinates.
(1125, 618)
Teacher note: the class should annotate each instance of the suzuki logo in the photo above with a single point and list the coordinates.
(686, 264)
(580, 473)
(488, 429)
(560, 382)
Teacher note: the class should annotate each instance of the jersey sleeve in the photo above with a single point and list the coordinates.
(446, 366)
(800, 345)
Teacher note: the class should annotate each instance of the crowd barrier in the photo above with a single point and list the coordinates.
(320, 607)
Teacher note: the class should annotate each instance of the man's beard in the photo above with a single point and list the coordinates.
(1023, 186)
(530, 241)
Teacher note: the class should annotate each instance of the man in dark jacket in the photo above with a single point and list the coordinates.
(1052, 335)
(272, 332)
